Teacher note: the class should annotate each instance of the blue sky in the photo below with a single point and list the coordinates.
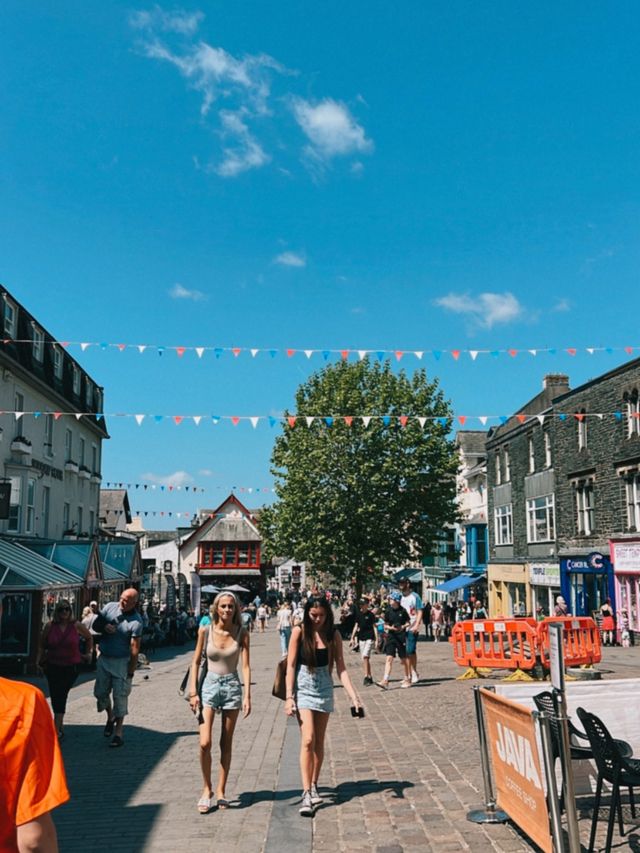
(416, 176)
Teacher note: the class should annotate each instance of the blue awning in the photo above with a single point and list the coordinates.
(458, 583)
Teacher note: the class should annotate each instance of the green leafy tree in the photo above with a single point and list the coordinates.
(351, 495)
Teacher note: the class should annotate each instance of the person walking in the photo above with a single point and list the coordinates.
(561, 608)
(262, 617)
(364, 632)
(223, 641)
(284, 626)
(608, 625)
(437, 621)
(396, 620)
(59, 656)
(412, 603)
(315, 647)
(120, 627)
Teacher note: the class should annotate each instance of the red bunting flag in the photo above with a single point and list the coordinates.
(455, 353)
(572, 350)
(122, 347)
(348, 419)
(177, 419)
(180, 351)
(345, 354)
(236, 351)
(462, 419)
(235, 420)
(513, 352)
(579, 416)
(290, 352)
(403, 420)
(399, 354)
(628, 350)
(521, 418)
(291, 420)
(57, 415)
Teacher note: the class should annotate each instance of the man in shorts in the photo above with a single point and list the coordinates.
(120, 626)
(412, 603)
(396, 620)
(364, 630)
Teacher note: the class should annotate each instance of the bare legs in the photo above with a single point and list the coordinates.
(313, 727)
(366, 664)
(229, 719)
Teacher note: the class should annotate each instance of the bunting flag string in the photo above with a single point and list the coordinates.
(310, 421)
(119, 484)
(332, 352)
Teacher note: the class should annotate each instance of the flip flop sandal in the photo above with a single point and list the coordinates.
(116, 741)
(222, 803)
(108, 729)
(204, 805)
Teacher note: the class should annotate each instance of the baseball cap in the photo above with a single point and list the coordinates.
(395, 596)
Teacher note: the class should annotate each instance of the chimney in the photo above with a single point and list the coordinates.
(558, 381)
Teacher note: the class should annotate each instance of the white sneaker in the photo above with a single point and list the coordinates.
(316, 799)
(415, 678)
(306, 806)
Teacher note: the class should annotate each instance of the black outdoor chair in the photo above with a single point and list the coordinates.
(613, 768)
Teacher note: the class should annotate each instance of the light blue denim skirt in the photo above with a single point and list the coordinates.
(222, 692)
(314, 689)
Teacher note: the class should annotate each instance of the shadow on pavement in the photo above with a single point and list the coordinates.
(341, 794)
(103, 781)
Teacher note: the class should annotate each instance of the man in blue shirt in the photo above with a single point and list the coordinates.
(120, 627)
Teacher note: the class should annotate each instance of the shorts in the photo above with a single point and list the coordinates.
(314, 690)
(395, 646)
(222, 692)
(365, 648)
(111, 677)
(412, 642)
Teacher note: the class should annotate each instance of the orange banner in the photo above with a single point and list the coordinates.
(517, 774)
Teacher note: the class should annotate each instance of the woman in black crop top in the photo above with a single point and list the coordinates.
(313, 649)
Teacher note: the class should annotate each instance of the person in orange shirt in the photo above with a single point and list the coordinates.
(32, 777)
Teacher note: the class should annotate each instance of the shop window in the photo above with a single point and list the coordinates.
(584, 509)
(632, 487)
(632, 405)
(503, 520)
(541, 522)
(582, 429)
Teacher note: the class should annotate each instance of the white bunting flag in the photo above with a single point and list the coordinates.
(533, 351)
(309, 420)
(83, 347)
(422, 422)
(600, 416)
(483, 419)
(139, 419)
(366, 420)
(254, 352)
(418, 354)
(362, 354)
(197, 419)
(254, 421)
(78, 415)
(308, 353)
(200, 351)
(141, 348)
(591, 350)
(540, 419)
(473, 353)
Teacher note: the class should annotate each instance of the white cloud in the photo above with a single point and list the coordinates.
(330, 128)
(246, 154)
(180, 292)
(181, 22)
(178, 478)
(561, 306)
(206, 472)
(290, 259)
(486, 310)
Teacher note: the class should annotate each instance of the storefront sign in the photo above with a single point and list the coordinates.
(594, 562)
(544, 575)
(47, 470)
(516, 766)
(626, 557)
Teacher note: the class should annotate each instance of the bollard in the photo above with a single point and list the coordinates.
(490, 813)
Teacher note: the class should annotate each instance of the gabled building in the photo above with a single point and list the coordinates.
(115, 512)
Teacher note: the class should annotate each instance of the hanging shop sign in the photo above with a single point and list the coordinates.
(544, 575)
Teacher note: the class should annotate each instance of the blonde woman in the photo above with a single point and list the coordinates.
(223, 641)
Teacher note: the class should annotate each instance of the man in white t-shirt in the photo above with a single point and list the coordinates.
(412, 603)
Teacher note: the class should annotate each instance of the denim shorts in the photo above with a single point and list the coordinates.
(314, 689)
(222, 692)
(412, 642)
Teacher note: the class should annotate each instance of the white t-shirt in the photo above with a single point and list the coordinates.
(262, 612)
(284, 618)
(412, 603)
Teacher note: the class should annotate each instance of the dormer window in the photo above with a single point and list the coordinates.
(37, 336)
(88, 395)
(76, 379)
(10, 318)
(57, 362)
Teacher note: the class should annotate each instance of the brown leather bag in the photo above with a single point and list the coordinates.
(279, 689)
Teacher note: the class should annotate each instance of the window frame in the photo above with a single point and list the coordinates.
(585, 508)
(14, 521)
(582, 433)
(503, 524)
(547, 449)
(532, 455)
(507, 463)
(58, 361)
(37, 338)
(498, 469)
(10, 324)
(76, 380)
(632, 500)
(538, 512)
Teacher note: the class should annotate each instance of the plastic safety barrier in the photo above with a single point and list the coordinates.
(490, 644)
(581, 639)
(521, 644)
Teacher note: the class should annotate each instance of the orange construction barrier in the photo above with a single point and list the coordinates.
(581, 640)
(490, 644)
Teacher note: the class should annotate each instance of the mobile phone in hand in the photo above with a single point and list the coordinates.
(357, 712)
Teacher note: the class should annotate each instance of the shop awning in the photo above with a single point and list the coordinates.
(23, 569)
(459, 583)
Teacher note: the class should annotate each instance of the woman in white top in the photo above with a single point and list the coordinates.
(284, 626)
(262, 617)
(223, 641)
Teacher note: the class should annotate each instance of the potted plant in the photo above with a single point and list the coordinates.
(21, 444)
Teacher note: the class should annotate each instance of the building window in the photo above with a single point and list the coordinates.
(66, 511)
(88, 394)
(68, 446)
(582, 429)
(76, 379)
(10, 318)
(632, 403)
(532, 456)
(18, 407)
(82, 450)
(79, 531)
(498, 469)
(503, 525)
(98, 398)
(632, 487)
(92, 522)
(38, 343)
(541, 524)
(57, 361)
(547, 449)
(232, 555)
(46, 503)
(476, 545)
(15, 505)
(95, 464)
(48, 435)
(31, 505)
(507, 465)
(584, 509)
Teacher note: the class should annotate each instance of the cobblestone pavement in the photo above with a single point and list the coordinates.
(399, 781)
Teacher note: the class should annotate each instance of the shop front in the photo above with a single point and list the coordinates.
(509, 590)
(586, 581)
(544, 579)
(625, 555)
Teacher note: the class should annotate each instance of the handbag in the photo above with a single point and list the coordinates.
(279, 689)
